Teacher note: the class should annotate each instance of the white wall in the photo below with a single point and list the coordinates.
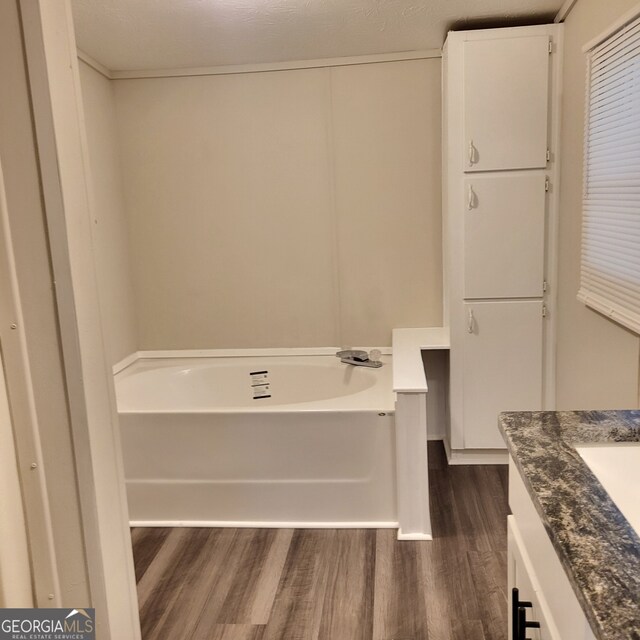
(387, 135)
(292, 208)
(111, 239)
(597, 359)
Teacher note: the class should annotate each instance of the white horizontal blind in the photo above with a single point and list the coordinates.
(610, 273)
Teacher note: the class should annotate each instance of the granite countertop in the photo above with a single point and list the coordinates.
(598, 548)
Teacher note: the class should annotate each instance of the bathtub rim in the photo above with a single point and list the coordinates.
(235, 411)
(322, 406)
(234, 353)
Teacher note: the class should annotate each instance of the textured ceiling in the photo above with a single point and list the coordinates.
(155, 34)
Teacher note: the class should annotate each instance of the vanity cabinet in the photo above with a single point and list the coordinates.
(501, 116)
(535, 571)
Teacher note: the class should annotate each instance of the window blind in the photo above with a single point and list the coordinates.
(610, 268)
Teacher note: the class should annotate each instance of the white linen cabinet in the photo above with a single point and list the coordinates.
(501, 90)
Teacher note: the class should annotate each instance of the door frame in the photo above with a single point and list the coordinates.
(51, 57)
(25, 503)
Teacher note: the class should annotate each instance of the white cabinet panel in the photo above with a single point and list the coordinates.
(504, 226)
(521, 574)
(502, 366)
(506, 90)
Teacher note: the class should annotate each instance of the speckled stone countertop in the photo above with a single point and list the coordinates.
(596, 545)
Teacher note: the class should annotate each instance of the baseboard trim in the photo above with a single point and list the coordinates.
(475, 456)
(261, 524)
(447, 446)
(414, 536)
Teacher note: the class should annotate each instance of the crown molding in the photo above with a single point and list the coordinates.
(565, 10)
(260, 67)
(94, 64)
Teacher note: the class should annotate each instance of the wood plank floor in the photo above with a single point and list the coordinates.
(303, 584)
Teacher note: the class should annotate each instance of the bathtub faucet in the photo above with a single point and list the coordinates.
(360, 358)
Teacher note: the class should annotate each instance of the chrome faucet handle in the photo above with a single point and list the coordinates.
(353, 354)
(360, 358)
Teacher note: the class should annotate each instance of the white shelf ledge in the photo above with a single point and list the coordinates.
(408, 371)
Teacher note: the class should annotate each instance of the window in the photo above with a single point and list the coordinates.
(610, 270)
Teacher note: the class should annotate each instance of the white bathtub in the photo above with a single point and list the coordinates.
(199, 450)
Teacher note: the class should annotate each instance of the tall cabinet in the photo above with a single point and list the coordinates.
(501, 157)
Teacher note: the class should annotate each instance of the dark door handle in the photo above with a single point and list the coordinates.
(516, 603)
(524, 624)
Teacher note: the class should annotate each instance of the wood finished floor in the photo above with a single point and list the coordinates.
(303, 584)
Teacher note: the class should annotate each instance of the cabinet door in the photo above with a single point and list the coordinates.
(521, 575)
(506, 92)
(502, 366)
(504, 224)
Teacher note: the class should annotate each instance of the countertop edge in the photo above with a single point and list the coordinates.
(570, 429)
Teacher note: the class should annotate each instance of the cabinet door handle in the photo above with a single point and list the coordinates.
(470, 321)
(472, 153)
(516, 604)
(524, 624)
(522, 621)
(471, 198)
